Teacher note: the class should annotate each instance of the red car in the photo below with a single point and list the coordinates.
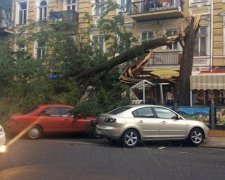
(53, 118)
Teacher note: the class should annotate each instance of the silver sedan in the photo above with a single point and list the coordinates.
(133, 124)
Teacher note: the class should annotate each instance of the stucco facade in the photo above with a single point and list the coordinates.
(162, 18)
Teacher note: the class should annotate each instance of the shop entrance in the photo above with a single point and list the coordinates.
(146, 92)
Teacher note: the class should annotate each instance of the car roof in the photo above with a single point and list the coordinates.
(135, 107)
(145, 105)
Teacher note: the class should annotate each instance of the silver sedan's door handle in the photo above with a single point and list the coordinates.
(140, 121)
(163, 122)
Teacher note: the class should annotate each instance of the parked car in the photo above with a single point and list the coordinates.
(2, 140)
(52, 118)
(133, 124)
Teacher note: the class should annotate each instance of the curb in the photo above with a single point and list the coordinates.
(216, 147)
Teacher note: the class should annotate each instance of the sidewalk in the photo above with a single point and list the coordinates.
(216, 139)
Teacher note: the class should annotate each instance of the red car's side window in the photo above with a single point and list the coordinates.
(57, 111)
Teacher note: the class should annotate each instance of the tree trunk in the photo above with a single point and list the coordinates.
(127, 56)
(183, 90)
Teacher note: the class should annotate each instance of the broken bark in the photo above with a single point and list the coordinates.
(131, 73)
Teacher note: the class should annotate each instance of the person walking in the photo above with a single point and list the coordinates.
(170, 98)
(210, 97)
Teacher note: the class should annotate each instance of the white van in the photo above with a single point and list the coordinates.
(2, 140)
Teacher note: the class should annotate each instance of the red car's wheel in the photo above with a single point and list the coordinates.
(35, 132)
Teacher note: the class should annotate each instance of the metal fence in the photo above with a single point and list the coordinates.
(155, 5)
(165, 58)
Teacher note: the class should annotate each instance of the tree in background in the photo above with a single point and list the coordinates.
(72, 70)
(27, 82)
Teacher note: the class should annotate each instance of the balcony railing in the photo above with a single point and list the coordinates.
(69, 15)
(165, 58)
(156, 9)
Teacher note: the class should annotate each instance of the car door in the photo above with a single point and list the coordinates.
(81, 124)
(73, 121)
(170, 125)
(146, 122)
(53, 120)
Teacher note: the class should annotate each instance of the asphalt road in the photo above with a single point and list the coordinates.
(82, 158)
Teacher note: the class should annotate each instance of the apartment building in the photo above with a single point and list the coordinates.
(26, 12)
(148, 19)
(218, 56)
(156, 19)
(209, 58)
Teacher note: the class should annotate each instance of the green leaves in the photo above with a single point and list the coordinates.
(25, 80)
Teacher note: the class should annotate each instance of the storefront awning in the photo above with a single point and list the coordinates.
(207, 81)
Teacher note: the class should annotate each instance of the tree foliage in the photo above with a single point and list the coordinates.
(74, 69)
(27, 81)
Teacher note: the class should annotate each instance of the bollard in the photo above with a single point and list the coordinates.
(212, 116)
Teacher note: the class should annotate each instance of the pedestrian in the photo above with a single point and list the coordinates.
(200, 97)
(221, 97)
(170, 98)
(210, 97)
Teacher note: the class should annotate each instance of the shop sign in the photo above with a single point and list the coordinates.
(165, 73)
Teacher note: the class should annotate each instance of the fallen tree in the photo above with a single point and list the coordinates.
(187, 41)
(129, 55)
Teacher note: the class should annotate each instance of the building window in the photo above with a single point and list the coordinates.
(146, 35)
(71, 5)
(223, 15)
(201, 42)
(125, 5)
(21, 47)
(99, 7)
(99, 43)
(40, 50)
(199, 1)
(43, 10)
(172, 32)
(22, 12)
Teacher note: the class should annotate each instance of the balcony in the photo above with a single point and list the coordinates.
(164, 59)
(156, 9)
(58, 16)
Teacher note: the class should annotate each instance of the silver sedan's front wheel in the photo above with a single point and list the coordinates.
(130, 138)
(196, 136)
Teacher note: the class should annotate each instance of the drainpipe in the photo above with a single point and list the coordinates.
(211, 37)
